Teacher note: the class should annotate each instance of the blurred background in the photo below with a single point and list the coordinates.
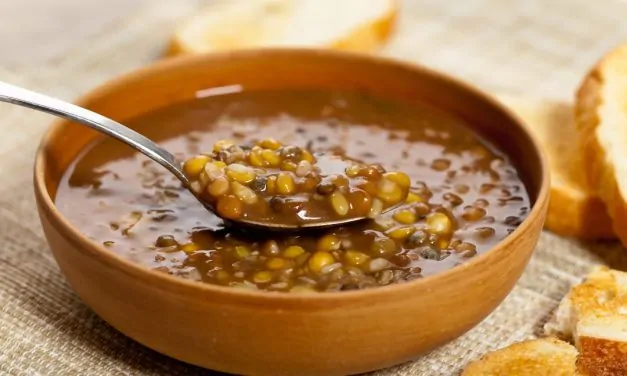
(539, 47)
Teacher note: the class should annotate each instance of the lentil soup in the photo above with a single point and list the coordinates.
(465, 195)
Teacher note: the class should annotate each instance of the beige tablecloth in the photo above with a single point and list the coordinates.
(537, 48)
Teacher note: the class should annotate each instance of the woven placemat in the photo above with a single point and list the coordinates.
(535, 48)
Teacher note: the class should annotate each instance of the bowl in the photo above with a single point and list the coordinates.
(261, 333)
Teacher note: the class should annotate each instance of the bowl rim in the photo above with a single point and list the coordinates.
(182, 286)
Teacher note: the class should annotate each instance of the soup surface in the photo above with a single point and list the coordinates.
(465, 195)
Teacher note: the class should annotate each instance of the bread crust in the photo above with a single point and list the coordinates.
(574, 209)
(371, 36)
(599, 169)
(538, 357)
(600, 357)
(365, 38)
(585, 218)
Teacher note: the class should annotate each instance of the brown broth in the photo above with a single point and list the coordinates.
(119, 198)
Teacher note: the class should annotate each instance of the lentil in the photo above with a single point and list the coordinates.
(355, 258)
(319, 260)
(271, 248)
(484, 232)
(439, 224)
(276, 263)
(401, 233)
(328, 243)
(405, 217)
(473, 213)
(165, 241)
(262, 277)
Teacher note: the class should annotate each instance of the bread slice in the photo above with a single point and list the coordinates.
(355, 25)
(595, 296)
(538, 357)
(601, 117)
(574, 209)
(594, 315)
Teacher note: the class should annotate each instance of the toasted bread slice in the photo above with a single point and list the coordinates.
(594, 315)
(538, 357)
(355, 25)
(574, 210)
(595, 296)
(601, 117)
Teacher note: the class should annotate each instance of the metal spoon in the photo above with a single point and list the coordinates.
(23, 97)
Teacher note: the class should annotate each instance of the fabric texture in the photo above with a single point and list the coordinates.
(534, 48)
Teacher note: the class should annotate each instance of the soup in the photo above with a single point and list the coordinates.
(465, 195)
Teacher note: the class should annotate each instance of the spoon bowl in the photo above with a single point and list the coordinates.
(304, 226)
(36, 101)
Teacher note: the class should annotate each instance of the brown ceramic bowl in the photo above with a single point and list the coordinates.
(250, 332)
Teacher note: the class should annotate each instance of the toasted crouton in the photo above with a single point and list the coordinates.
(575, 210)
(601, 117)
(594, 315)
(591, 297)
(538, 357)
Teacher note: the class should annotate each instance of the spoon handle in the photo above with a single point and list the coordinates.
(17, 95)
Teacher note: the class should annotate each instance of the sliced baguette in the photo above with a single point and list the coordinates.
(355, 25)
(594, 315)
(601, 117)
(538, 357)
(574, 209)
